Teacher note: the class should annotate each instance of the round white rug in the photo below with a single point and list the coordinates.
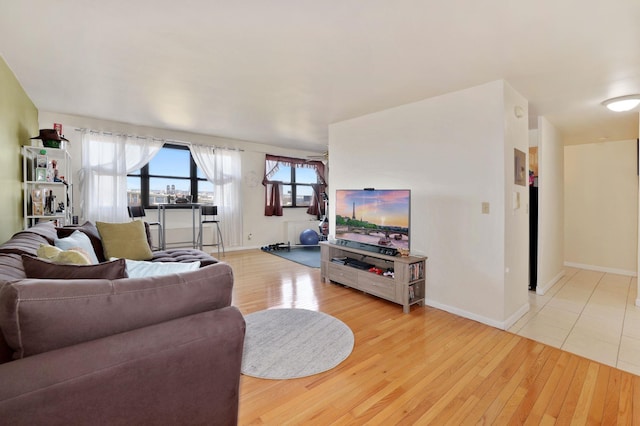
(292, 343)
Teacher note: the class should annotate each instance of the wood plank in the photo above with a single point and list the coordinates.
(625, 409)
(537, 413)
(425, 366)
(581, 413)
(596, 409)
(612, 398)
(535, 388)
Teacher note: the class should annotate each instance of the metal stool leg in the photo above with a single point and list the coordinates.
(220, 241)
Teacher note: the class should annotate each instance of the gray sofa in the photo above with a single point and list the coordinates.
(154, 350)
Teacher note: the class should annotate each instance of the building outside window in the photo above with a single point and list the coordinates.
(170, 175)
(296, 189)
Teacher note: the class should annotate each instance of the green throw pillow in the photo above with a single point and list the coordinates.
(126, 240)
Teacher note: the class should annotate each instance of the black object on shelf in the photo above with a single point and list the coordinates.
(533, 237)
(359, 264)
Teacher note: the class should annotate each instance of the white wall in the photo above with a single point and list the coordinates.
(264, 230)
(550, 206)
(451, 152)
(638, 235)
(601, 206)
(516, 260)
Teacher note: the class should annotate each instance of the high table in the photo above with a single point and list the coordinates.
(162, 209)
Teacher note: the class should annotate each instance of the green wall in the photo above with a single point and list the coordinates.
(18, 122)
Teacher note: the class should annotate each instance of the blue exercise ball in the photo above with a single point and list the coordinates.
(309, 237)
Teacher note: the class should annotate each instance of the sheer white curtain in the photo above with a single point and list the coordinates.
(223, 168)
(106, 160)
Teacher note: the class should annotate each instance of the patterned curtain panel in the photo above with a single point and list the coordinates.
(273, 189)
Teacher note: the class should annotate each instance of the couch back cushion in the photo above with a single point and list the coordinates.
(28, 241)
(23, 243)
(6, 353)
(11, 267)
(46, 230)
(39, 315)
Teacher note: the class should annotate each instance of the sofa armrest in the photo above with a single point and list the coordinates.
(184, 371)
(40, 315)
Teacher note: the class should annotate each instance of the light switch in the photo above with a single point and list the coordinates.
(485, 207)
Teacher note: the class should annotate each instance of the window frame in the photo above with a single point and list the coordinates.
(145, 177)
(294, 187)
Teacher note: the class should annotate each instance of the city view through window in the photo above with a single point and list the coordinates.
(296, 188)
(161, 194)
(169, 180)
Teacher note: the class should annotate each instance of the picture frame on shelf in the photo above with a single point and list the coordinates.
(41, 175)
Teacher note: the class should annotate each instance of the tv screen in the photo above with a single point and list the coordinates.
(380, 217)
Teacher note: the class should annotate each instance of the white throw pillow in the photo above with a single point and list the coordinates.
(80, 242)
(143, 268)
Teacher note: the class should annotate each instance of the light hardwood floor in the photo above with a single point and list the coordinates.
(425, 367)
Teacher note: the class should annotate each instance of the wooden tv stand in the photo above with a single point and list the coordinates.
(406, 287)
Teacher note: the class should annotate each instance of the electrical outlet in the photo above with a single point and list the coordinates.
(249, 236)
(485, 207)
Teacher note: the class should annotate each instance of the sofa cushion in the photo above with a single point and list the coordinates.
(184, 255)
(90, 230)
(28, 241)
(78, 241)
(41, 315)
(24, 243)
(127, 240)
(44, 269)
(11, 267)
(46, 230)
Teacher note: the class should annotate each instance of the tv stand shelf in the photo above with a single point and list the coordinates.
(406, 287)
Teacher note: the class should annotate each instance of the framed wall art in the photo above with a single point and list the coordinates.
(520, 167)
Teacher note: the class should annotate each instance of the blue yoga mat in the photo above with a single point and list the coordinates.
(308, 256)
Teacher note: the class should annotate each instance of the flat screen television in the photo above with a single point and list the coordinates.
(374, 216)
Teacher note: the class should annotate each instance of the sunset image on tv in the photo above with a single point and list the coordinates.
(379, 217)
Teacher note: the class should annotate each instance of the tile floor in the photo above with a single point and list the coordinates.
(588, 313)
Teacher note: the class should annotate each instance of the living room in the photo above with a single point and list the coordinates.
(478, 266)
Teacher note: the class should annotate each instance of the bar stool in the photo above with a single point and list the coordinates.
(137, 212)
(208, 214)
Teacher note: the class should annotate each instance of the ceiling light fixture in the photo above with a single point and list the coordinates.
(622, 103)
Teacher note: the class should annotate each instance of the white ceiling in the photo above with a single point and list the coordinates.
(280, 71)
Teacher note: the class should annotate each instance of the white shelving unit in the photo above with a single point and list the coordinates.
(46, 172)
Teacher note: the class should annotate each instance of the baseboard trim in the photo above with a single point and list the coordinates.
(602, 269)
(516, 316)
(502, 325)
(542, 290)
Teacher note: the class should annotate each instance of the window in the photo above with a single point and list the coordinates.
(297, 180)
(292, 182)
(171, 174)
